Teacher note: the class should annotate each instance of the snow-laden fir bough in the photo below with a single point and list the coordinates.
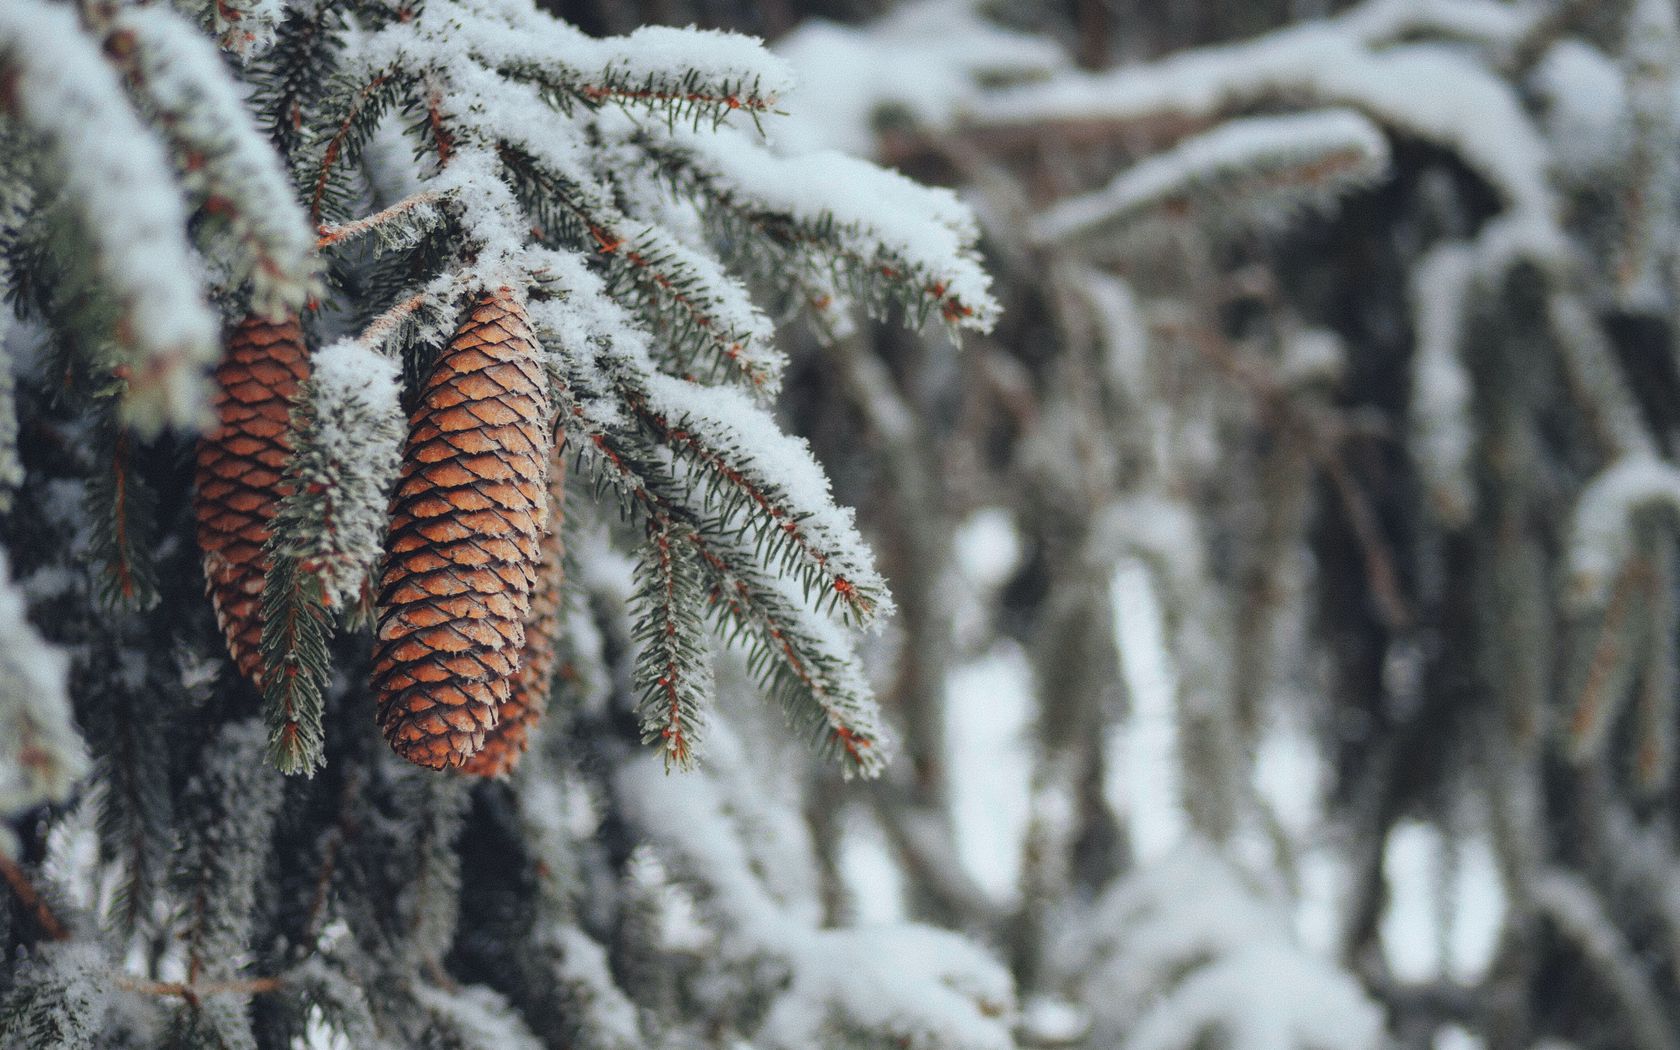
(538, 182)
(447, 256)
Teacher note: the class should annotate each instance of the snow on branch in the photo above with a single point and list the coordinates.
(226, 162)
(707, 315)
(747, 463)
(799, 656)
(328, 535)
(887, 239)
(1602, 524)
(1424, 90)
(396, 228)
(348, 435)
(1581, 918)
(706, 320)
(131, 218)
(1254, 170)
(690, 76)
(60, 997)
(687, 75)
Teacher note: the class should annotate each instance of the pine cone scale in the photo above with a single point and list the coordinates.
(463, 539)
(528, 692)
(239, 474)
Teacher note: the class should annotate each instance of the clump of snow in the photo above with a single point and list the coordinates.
(876, 212)
(1585, 108)
(479, 1014)
(245, 28)
(61, 995)
(923, 987)
(584, 970)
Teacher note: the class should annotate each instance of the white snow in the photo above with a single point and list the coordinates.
(879, 213)
(1186, 946)
(923, 986)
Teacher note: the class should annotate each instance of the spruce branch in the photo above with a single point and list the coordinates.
(673, 669)
(781, 216)
(1258, 170)
(800, 660)
(59, 998)
(250, 219)
(122, 511)
(706, 322)
(745, 475)
(243, 28)
(125, 719)
(291, 79)
(353, 110)
(1611, 664)
(396, 228)
(42, 755)
(229, 810)
(95, 150)
(295, 665)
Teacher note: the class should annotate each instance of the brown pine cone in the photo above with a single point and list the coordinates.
(528, 692)
(240, 465)
(466, 526)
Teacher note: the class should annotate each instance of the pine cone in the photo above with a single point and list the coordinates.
(528, 692)
(462, 553)
(240, 465)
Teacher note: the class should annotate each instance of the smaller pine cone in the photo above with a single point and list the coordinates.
(466, 525)
(240, 466)
(528, 692)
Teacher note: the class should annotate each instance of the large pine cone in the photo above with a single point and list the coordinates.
(528, 692)
(466, 528)
(240, 466)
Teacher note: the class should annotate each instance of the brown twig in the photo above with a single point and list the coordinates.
(31, 899)
(195, 991)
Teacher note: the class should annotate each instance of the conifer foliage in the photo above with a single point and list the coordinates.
(435, 343)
